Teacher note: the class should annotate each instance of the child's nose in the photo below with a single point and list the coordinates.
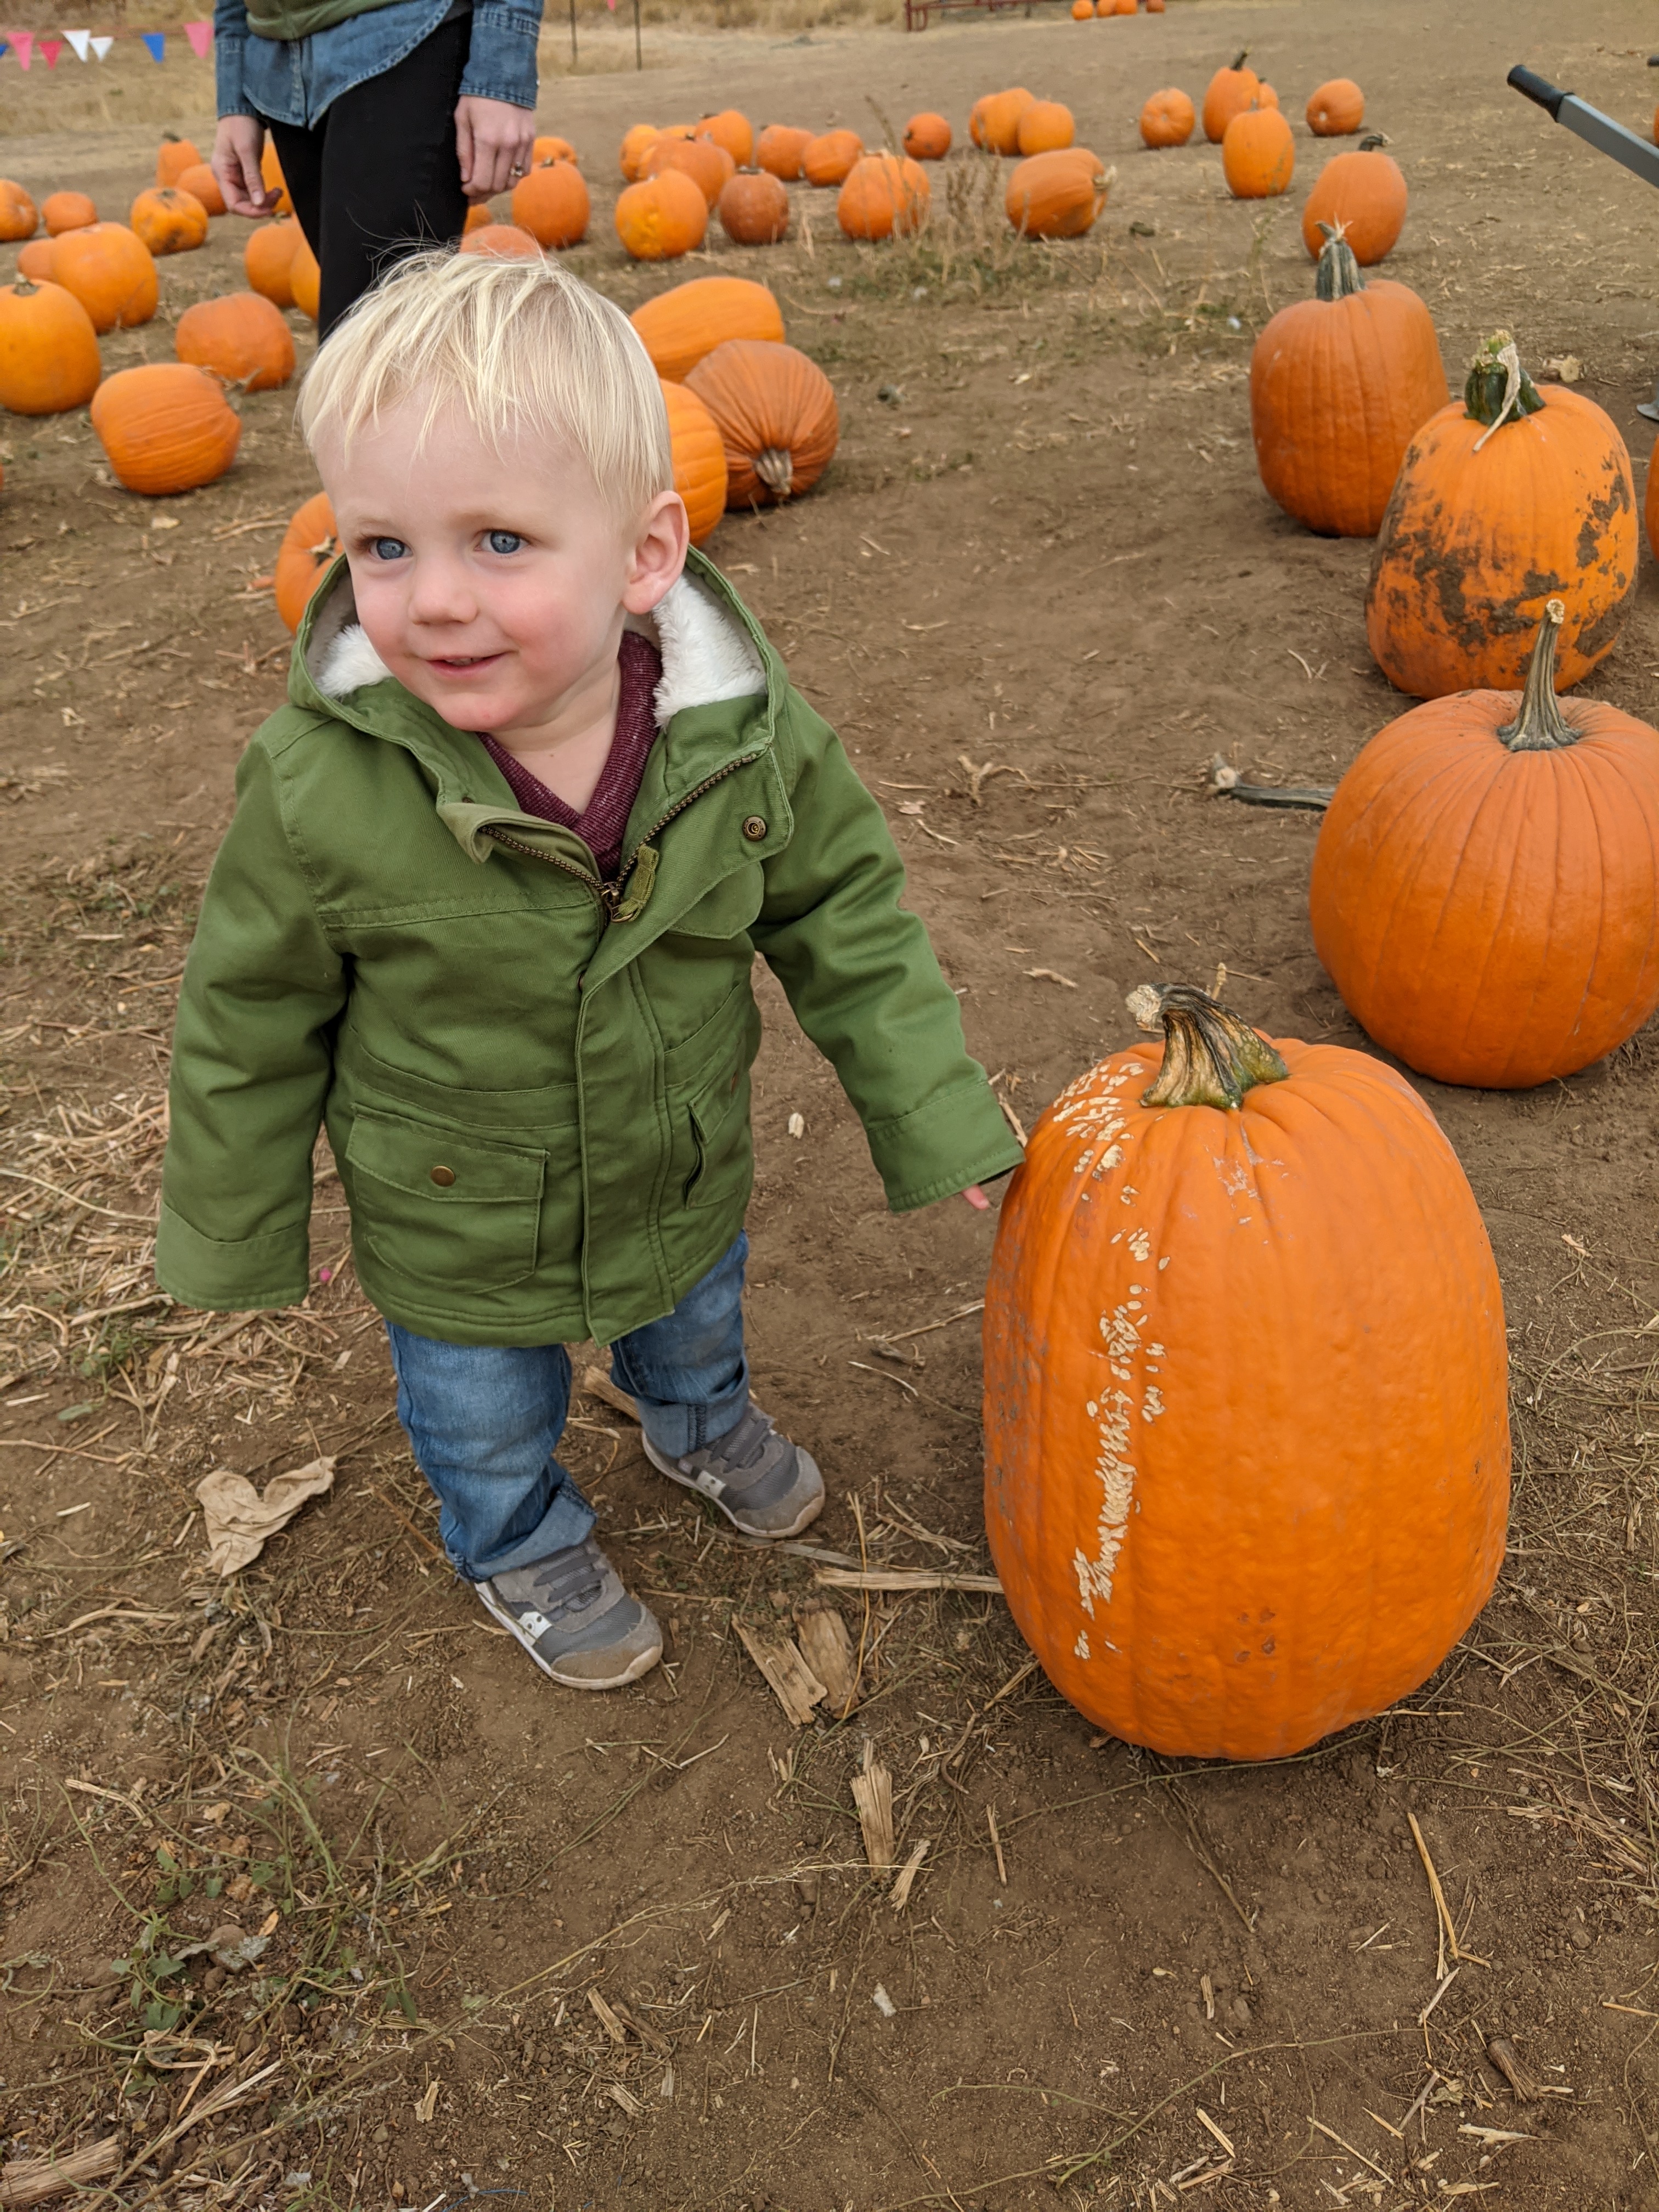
(438, 592)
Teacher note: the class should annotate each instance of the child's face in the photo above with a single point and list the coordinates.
(494, 586)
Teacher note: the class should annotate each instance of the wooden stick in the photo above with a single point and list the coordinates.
(1447, 1930)
(33, 2180)
(904, 1578)
(1352, 2152)
(996, 1844)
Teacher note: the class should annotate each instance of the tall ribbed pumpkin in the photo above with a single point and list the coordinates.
(1486, 884)
(1509, 499)
(1338, 386)
(1245, 1391)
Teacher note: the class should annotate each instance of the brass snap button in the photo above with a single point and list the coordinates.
(754, 828)
(443, 1177)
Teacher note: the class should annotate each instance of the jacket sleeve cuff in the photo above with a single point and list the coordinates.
(230, 98)
(957, 1139)
(272, 1270)
(500, 60)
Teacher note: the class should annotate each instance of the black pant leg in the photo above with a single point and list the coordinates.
(300, 153)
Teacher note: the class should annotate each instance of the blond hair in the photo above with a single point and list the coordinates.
(523, 348)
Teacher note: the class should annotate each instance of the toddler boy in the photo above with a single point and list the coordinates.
(487, 907)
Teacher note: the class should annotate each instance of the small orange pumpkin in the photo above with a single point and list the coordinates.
(551, 148)
(700, 474)
(19, 217)
(62, 211)
(1045, 127)
(709, 166)
(1228, 93)
(732, 130)
(166, 427)
(309, 548)
(829, 159)
(270, 171)
(1335, 109)
(240, 336)
(637, 140)
(662, 217)
(169, 220)
(49, 358)
(479, 214)
(1169, 118)
(927, 137)
(687, 321)
(111, 271)
(1057, 195)
(552, 205)
(1258, 155)
(502, 242)
(1364, 191)
(883, 194)
(754, 208)
(174, 156)
(994, 121)
(1083, 11)
(35, 259)
(268, 259)
(775, 411)
(782, 149)
(305, 278)
(201, 184)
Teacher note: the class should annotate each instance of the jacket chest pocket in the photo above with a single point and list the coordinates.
(443, 1208)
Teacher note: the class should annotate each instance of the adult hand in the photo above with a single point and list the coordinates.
(237, 145)
(494, 140)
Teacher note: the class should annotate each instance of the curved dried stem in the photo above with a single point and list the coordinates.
(1211, 1057)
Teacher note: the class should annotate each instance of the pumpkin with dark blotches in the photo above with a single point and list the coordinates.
(775, 411)
(1246, 1422)
(166, 428)
(169, 220)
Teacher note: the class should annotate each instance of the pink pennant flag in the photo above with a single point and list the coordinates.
(23, 44)
(201, 38)
(50, 50)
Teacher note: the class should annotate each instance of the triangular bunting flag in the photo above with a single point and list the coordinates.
(100, 46)
(23, 44)
(50, 49)
(156, 43)
(78, 42)
(201, 38)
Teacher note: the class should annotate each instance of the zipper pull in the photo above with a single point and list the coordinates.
(641, 877)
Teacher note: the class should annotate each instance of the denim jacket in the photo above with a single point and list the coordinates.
(294, 80)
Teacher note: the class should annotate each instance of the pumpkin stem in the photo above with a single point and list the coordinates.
(775, 467)
(1373, 139)
(1540, 727)
(1211, 1057)
(1497, 385)
(1339, 276)
(1238, 59)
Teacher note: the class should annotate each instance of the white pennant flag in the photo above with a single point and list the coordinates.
(100, 46)
(80, 40)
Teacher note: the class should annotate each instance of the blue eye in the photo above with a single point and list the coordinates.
(387, 549)
(504, 541)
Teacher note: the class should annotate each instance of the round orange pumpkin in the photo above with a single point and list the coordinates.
(174, 156)
(927, 137)
(709, 166)
(1083, 11)
(775, 411)
(501, 242)
(1339, 384)
(637, 142)
(201, 184)
(552, 148)
(479, 214)
(1506, 499)
(111, 271)
(1258, 155)
(1228, 93)
(19, 217)
(1245, 1376)
(1167, 118)
(169, 220)
(732, 130)
(270, 170)
(552, 205)
(994, 122)
(309, 548)
(700, 474)
(268, 259)
(828, 160)
(680, 326)
(1057, 195)
(35, 259)
(305, 278)
(1335, 109)
(754, 208)
(883, 194)
(49, 358)
(166, 427)
(662, 217)
(1485, 880)
(240, 336)
(1044, 127)
(62, 211)
(1365, 193)
(780, 149)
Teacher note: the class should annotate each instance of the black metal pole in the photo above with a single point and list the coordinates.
(573, 34)
(638, 50)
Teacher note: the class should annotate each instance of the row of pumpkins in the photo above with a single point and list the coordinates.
(1241, 114)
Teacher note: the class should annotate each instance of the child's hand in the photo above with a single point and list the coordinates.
(977, 1198)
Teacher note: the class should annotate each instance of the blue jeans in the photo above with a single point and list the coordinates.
(484, 1422)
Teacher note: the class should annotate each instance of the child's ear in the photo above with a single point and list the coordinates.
(658, 553)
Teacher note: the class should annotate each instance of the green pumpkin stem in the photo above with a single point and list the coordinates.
(1339, 276)
(1238, 59)
(1211, 1057)
(1540, 727)
(1498, 387)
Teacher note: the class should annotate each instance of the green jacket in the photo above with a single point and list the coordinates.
(536, 1085)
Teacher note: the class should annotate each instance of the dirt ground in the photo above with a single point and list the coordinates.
(482, 1949)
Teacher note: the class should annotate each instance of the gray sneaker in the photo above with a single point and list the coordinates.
(573, 1616)
(764, 1484)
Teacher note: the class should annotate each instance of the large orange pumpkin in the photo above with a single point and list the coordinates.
(49, 358)
(174, 156)
(166, 427)
(637, 140)
(240, 336)
(309, 548)
(993, 121)
(1506, 500)
(35, 258)
(1167, 118)
(201, 184)
(111, 271)
(1487, 877)
(169, 220)
(305, 278)
(782, 149)
(268, 258)
(662, 217)
(775, 412)
(1364, 191)
(1057, 195)
(270, 172)
(927, 137)
(1228, 93)
(700, 472)
(19, 217)
(1247, 1438)
(754, 208)
(883, 194)
(1044, 127)
(62, 211)
(1339, 384)
(732, 130)
(680, 327)
(552, 205)
(1335, 109)
(1258, 155)
(828, 160)
(709, 166)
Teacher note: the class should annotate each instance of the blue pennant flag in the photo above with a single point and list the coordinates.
(156, 43)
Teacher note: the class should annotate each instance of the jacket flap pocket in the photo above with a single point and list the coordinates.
(439, 1165)
(727, 908)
